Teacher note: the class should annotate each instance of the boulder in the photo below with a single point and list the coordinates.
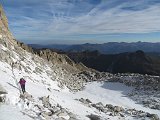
(45, 102)
(93, 117)
(60, 119)
(109, 106)
(2, 98)
(54, 110)
(154, 117)
(2, 94)
(99, 104)
(118, 109)
(72, 116)
(88, 101)
(83, 101)
(2, 90)
(64, 115)
(27, 96)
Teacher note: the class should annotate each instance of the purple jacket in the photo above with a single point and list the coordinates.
(22, 82)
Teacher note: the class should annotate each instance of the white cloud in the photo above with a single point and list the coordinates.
(114, 20)
(70, 18)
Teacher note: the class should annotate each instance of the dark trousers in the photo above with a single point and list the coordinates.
(23, 88)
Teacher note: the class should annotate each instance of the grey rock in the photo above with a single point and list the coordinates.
(26, 95)
(45, 115)
(2, 90)
(72, 116)
(93, 117)
(105, 110)
(100, 104)
(148, 114)
(63, 115)
(60, 119)
(154, 117)
(109, 106)
(88, 101)
(45, 102)
(122, 115)
(55, 109)
(118, 109)
(93, 105)
(111, 114)
(2, 98)
(83, 101)
(50, 113)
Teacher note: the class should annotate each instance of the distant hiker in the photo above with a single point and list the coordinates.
(22, 83)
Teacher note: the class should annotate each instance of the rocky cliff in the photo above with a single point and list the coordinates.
(55, 58)
(3, 17)
(6, 37)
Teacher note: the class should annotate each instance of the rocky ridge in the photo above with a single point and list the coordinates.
(146, 88)
(118, 110)
(54, 57)
(45, 108)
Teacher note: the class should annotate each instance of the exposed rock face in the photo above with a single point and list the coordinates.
(24, 46)
(55, 58)
(3, 17)
(6, 38)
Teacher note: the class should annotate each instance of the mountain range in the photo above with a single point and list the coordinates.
(106, 48)
(128, 62)
(138, 61)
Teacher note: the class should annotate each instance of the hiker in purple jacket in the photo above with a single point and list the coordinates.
(22, 83)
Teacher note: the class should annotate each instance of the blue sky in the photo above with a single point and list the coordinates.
(83, 21)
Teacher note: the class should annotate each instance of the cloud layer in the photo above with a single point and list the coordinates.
(65, 19)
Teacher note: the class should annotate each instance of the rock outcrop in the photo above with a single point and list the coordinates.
(117, 111)
(145, 85)
(55, 58)
(2, 90)
(3, 17)
(2, 94)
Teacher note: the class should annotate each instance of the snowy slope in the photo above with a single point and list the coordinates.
(8, 112)
(107, 93)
